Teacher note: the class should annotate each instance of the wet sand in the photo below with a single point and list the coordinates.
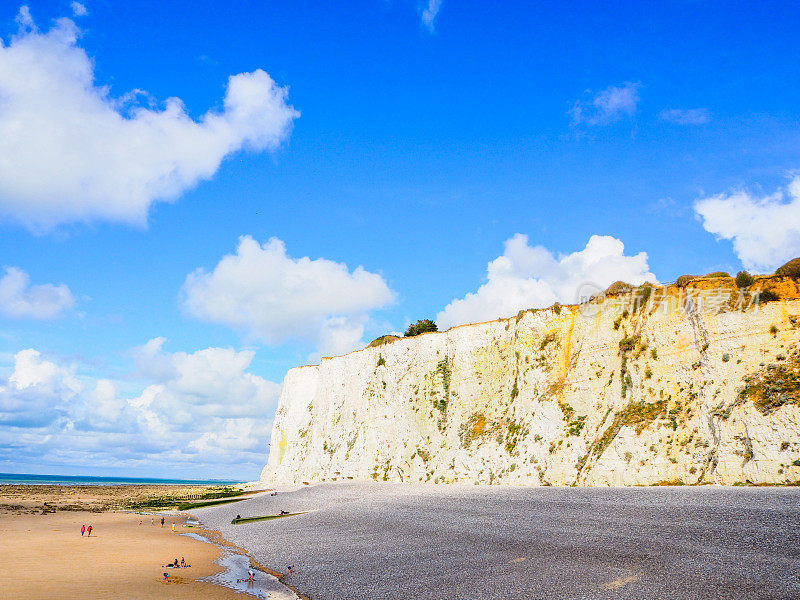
(44, 555)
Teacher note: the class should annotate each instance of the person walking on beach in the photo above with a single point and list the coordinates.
(83, 530)
(173, 527)
(162, 521)
(89, 530)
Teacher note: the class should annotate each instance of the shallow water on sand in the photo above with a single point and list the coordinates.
(236, 572)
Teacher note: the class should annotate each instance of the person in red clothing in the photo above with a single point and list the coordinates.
(89, 530)
(83, 530)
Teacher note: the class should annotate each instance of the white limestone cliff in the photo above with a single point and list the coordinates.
(604, 394)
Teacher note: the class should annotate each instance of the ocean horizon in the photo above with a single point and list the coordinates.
(37, 479)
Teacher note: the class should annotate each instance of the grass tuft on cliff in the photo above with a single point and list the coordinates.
(790, 269)
(384, 339)
(618, 287)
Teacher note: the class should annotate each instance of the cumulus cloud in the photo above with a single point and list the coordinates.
(192, 411)
(765, 230)
(608, 106)
(37, 392)
(269, 296)
(691, 116)
(70, 151)
(429, 14)
(526, 276)
(19, 299)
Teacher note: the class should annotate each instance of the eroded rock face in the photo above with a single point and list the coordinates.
(606, 394)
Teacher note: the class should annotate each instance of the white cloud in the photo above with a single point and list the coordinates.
(194, 411)
(341, 334)
(429, 14)
(532, 277)
(691, 116)
(24, 18)
(606, 107)
(70, 151)
(269, 296)
(765, 230)
(19, 299)
(37, 392)
(78, 9)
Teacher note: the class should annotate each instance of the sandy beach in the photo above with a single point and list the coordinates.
(44, 555)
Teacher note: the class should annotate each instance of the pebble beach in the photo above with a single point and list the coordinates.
(370, 541)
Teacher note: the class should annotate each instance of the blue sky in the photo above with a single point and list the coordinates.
(463, 154)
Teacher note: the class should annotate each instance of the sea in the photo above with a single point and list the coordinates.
(32, 479)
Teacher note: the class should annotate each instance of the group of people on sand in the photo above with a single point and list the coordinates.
(175, 565)
(153, 522)
(85, 529)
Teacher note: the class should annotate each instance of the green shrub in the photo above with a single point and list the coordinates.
(726, 357)
(684, 279)
(421, 326)
(768, 296)
(717, 274)
(744, 279)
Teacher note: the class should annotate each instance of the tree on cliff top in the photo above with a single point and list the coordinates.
(421, 326)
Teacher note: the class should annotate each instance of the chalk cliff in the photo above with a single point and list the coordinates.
(697, 384)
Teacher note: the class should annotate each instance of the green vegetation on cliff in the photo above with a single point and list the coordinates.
(773, 386)
(421, 326)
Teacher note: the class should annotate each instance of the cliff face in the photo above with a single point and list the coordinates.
(704, 389)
